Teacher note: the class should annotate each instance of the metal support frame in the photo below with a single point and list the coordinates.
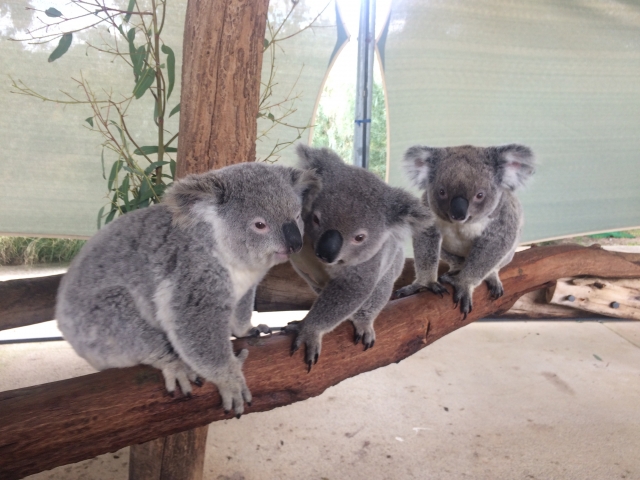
(364, 83)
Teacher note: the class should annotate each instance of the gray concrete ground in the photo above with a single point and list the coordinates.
(494, 400)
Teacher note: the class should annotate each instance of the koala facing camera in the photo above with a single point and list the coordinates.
(477, 218)
(168, 285)
(353, 248)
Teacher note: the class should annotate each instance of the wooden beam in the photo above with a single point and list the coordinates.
(222, 62)
(180, 455)
(534, 305)
(614, 298)
(26, 301)
(44, 426)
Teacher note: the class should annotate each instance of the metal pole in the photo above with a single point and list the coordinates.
(364, 83)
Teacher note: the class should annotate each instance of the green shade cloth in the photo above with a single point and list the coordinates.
(52, 181)
(562, 77)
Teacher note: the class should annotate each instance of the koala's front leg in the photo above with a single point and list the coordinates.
(241, 326)
(485, 257)
(338, 301)
(363, 319)
(199, 325)
(426, 251)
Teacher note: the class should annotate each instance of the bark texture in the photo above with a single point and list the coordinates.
(63, 422)
(222, 61)
(178, 456)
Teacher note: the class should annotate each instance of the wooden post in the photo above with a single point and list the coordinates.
(222, 61)
(176, 456)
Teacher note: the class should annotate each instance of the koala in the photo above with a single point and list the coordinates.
(352, 249)
(477, 219)
(168, 285)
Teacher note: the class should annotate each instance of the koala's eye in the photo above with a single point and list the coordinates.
(316, 220)
(480, 195)
(442, 193)
(260, 225)
(359, 238)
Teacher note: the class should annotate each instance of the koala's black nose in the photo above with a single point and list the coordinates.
(329, 246)
(292, 237)
(458, 208)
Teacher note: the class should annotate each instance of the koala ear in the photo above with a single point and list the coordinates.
(318, 159)
(418, 161)
(514, 165)
(307, 184)
(306, 157)
(404, 209)
(183, 194)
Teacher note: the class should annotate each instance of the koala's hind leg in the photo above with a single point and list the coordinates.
(176, 372)
(455, 262)
(427, 251)
(363, 319)
(495, 285)
(112, 333)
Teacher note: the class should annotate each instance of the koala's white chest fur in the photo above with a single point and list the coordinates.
(242, 280)
(457, 238)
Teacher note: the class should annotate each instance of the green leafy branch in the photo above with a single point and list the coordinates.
(137, 175)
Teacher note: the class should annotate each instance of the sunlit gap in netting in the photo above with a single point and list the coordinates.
(333, 122)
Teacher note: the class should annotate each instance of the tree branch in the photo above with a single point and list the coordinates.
(63, 422)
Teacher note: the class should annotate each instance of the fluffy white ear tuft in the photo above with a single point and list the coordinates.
(417, 163)
(515, 164)
(183, 195)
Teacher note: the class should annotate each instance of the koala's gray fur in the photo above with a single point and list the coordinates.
(168, 285)
(477, 217)
(352, 252)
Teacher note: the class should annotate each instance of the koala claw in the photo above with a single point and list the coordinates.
(198, 381)
(312, 343)
(292, 327)
(407, 291)
(366, 333)
(437, 288)
(256, 331)
(495, 289)
(238, 416)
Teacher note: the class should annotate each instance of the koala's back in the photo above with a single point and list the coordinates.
(125, 262)
(130, 251)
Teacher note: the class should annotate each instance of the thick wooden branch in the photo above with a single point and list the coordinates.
(614, 298)
(44, 426)
(222, 60)
(27, 301)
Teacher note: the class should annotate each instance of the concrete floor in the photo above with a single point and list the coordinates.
(494, 400)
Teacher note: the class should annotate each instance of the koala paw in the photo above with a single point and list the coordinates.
(311, 340)
(462, 295)
(366, 334)
(414, 288)
(178, 373)
(292, 327)
(256, 331)
(495, 287)
(232, 386)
